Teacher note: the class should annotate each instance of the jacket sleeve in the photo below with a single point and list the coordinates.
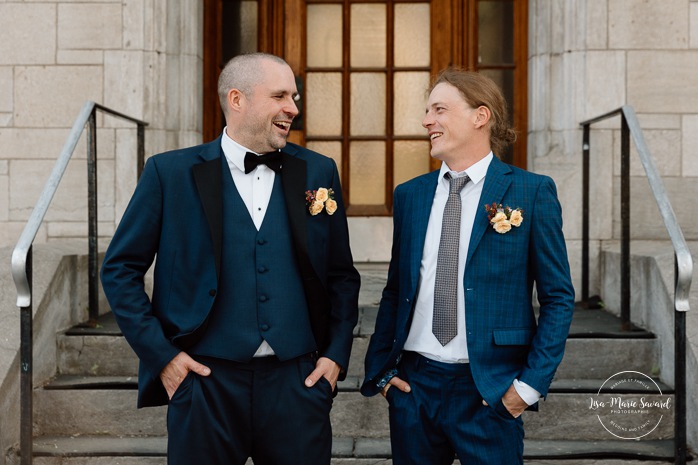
(550, 270)
(128, 258)
(343, 282)
(377, 361)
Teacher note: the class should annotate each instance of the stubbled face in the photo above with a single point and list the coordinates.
(450, 122)
(267, 113)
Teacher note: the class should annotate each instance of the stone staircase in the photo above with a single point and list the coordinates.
(86, 415)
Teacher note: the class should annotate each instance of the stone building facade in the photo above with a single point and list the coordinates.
(144, 58)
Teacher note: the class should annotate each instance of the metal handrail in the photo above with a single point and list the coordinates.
(22, 253)
(683, 261)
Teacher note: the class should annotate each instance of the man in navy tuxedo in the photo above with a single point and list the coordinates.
(457, 350)
(255, 293)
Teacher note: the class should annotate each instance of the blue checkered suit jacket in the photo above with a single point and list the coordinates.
(504, 339)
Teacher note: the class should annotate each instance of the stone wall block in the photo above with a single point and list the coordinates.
(663, 82)
(123, 86)
(596, 24)
(77, 229)
(124, 181)
(689, 145)
(693, 21)
(155, 19)
(80, 57)
(6, 86)
(173, 91)
(645, 220)
(191, 94)
(192, 17)
(557, 27)
(659, 121)
(538, 92)
(32, 32)
(38, 103)
(173, 29)
(648, 24)
(27, 179)
(89, 26)
(600, 185)
(539, 27)
(4, 193)
(134, 24)
(155, 84)
(664, 146)
(567, 91)
(46, 144)
(605, 83)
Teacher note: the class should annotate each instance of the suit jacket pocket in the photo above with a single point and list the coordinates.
(513, 337)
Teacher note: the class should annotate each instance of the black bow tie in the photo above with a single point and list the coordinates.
(271, 159)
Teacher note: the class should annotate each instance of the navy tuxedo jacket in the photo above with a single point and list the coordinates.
(504, 339)
(176, 214)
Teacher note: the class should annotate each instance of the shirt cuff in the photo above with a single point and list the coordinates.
(526, 392)
(386, 378)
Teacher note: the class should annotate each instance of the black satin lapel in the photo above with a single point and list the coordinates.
(293, 178)
(209, 183)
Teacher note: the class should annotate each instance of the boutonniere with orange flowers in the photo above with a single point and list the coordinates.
(319, 200)
(503, 218)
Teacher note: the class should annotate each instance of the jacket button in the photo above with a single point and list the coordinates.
(263, 298)
(262, 269)
(261, 241)
(264, 327)
(212, 292)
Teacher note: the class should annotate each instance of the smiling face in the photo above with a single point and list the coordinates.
(457, 131)
(262, 117)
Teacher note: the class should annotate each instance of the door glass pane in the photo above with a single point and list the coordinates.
(367, 174)
(329, 148)
(495, 32)
(368, 35)
(410, 159)
(325, 34)
(411, 37)
(409, 102)
(323, 104)
(248, 26)
(367, 104)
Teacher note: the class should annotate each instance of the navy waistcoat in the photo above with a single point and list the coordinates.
(260, 293)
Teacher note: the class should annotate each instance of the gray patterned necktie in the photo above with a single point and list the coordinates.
(445, 322)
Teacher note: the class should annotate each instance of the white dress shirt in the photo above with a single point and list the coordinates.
(255, 189)
(420, 338)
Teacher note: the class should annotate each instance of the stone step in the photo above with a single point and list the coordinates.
(106, 405)
(590, 352)
(101, 450)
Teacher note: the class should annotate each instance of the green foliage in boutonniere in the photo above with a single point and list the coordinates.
(319, 200)
(503, 218)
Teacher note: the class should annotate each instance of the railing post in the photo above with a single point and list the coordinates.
(585, 214)
(680, 436)
(93, 283)
(625, 225)
(26, 381)
(140, 156)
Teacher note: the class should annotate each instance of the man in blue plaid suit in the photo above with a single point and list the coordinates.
(462, 394)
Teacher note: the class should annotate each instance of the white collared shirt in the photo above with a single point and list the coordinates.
(420, 338)
(255, 189)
